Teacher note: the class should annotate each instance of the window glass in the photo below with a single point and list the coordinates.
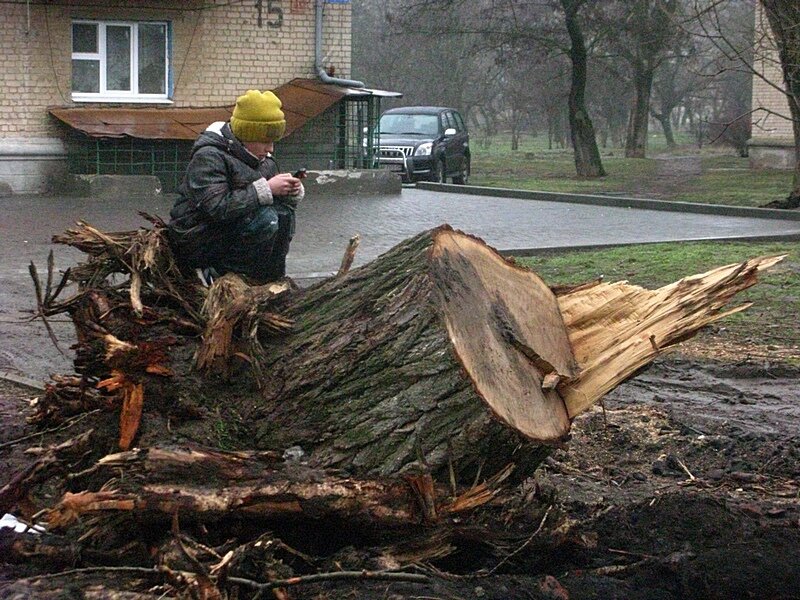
(84, 37)
(152, 58)
(86, 76)
(410, 124)
(118, 58)
(449, 121)
(459, 122)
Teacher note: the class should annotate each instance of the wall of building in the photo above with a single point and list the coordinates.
(772, 142)
(218, 52)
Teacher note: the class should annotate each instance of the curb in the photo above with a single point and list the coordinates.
(524, 252)
(22, 380)
(615, 201)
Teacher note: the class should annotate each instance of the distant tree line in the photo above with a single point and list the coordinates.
(585, 73)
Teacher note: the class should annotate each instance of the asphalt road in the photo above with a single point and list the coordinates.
(324, 227)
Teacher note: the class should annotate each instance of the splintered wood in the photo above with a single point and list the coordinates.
(617, 328)
(205, 486)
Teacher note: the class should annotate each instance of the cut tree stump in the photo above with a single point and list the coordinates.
(436, 349)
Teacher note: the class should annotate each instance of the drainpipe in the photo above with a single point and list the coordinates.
(323, 76)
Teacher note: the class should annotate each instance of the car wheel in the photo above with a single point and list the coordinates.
(463, 177)
(437, 173)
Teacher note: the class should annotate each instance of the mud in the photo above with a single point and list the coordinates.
(685, 485)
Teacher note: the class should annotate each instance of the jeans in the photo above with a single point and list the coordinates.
(256, 247)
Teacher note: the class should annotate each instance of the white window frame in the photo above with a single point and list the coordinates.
(127, 96)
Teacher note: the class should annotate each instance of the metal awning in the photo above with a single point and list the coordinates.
(143, 123)
(303, 100)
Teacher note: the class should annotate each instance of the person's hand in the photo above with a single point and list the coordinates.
(284, 184)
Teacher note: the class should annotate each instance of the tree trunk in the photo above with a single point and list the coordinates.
(434, 355)
(666, 124)
(638, 119)
(431, 348)
(584, 143)
(515, 134)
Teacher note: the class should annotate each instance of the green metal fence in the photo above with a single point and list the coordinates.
(166, 159)
(358, 133)
(345, 137)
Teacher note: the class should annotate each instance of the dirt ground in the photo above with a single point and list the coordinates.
(685, 485)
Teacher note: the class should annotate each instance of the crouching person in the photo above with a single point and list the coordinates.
(235, 212)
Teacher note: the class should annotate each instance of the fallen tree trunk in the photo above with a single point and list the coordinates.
(434, 350)
(440, 355)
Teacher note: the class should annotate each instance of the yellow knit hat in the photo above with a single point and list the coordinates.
(257, 117)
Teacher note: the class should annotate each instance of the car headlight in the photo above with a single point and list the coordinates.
(424, 149)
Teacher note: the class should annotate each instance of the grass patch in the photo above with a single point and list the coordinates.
(771, 321)
(729, 180)
(724, 177)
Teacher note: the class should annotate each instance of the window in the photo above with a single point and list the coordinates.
(120, 61)
(409, 124)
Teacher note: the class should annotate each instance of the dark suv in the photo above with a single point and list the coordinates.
(425, 143)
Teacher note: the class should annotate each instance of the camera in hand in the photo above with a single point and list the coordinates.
(300, 173)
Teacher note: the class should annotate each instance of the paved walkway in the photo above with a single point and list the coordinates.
(324, 227)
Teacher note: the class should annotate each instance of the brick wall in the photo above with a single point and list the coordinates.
(29, 79)
(218, 52)
(768, 127)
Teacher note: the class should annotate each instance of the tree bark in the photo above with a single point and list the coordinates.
(665, 119)
(431, 349)
(638, 120)
(584, 142)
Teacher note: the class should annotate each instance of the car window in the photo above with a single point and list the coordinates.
(409, 124)
(459, 122)
(447, 120)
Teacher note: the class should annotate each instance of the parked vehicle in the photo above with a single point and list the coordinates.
(425, 143)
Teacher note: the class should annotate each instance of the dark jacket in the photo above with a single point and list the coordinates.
(217, 198)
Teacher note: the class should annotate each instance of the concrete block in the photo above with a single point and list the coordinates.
(352, 183)
(5, 190)
(111, 187)
(771, 154)
(26, 165)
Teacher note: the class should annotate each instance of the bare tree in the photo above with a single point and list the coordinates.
(606, 86)
(429, 58)
(584, 142)
(676, 78)
(644, 36)
(553, 27)
(502, 38)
